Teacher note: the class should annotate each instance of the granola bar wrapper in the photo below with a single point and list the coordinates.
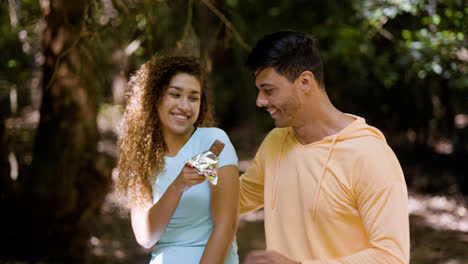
(207, 162)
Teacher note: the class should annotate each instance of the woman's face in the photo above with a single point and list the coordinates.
(180, 106)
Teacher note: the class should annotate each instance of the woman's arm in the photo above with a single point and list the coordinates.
(150, 223)
(224, 211)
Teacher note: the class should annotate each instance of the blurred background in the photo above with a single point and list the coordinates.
(64, 65)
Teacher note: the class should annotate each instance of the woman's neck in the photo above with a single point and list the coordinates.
(175, 142)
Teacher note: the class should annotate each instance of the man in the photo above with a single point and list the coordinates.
(332, 189)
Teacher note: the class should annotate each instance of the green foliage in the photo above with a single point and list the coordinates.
(384, 59)
(19, 45)
(388, 60)
(402, 64)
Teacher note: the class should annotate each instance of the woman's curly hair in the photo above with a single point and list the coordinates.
(141, 143)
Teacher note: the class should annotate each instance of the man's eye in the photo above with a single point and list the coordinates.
(268, 91)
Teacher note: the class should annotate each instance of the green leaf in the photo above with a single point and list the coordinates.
(12, 63)
(232, 3)
(436, 19)
(274, 11)
(406, 34)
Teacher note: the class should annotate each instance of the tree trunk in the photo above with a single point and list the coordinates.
(6, 183)
(65, 186)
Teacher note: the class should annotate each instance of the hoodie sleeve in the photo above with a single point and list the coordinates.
(382, 200)
(251, 187)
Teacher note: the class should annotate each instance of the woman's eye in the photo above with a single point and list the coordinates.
(194, 99)
(174, 94)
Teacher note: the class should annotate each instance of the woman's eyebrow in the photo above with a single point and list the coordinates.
(182, 89)
(176, 87)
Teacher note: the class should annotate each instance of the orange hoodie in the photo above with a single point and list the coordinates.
(339, 200)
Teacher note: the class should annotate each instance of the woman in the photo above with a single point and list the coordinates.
(173, 207)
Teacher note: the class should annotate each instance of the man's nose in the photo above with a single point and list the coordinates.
(261, 101)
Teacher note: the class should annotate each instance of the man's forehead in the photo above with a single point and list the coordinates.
(257, 72)
(265, 74)
(263, 71)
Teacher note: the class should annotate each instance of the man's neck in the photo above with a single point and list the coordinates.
(322, 121)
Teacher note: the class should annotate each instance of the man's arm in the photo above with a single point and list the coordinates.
(387, 228)
(382, 201)
(385, 217)
(252, 187)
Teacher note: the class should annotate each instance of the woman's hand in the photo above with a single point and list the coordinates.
(187, 178)
(150, 225)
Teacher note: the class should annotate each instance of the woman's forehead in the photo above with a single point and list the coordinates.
(185, 82)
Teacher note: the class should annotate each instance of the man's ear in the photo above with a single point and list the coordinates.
(307, 81)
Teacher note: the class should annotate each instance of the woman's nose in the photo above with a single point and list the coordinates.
(184, 104)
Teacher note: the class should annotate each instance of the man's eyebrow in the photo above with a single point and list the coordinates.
(263, 85)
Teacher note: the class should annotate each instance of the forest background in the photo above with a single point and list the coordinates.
(64, 65)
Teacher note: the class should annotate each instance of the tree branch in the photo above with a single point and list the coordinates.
(226, 22)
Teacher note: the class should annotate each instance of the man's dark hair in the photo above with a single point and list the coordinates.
(290, 53)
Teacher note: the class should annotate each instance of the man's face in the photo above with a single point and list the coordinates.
(279, 96)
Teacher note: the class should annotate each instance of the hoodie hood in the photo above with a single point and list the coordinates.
(356, 129)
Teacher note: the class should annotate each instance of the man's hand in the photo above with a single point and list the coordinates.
(267, 257)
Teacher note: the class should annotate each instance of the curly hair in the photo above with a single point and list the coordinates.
(141, 143)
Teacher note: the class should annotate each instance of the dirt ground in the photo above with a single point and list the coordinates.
(438, 224)
(439, 233)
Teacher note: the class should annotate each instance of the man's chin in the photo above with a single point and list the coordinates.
(280, 124)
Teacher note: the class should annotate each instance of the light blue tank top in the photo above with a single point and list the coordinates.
(191, 225)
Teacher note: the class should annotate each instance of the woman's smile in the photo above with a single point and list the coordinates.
(180, 106)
